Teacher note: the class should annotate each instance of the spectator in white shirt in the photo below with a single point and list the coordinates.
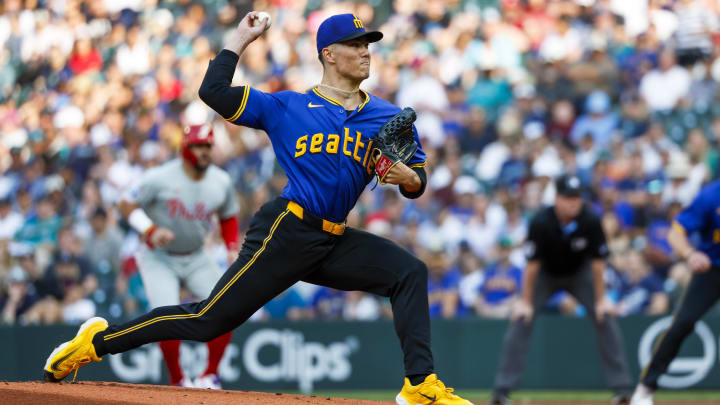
(428, 97)
(696, 24)
(133, 57)
(10, 221)
(663, 88)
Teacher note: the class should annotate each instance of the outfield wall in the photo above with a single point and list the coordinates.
(366, 355)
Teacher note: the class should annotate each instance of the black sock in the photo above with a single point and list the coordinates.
(99, 344)
(416, 379)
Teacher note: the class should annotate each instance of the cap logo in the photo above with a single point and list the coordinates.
(574, 182)
(358, 23)
(203, 132)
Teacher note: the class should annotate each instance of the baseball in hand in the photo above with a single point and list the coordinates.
(262, 15)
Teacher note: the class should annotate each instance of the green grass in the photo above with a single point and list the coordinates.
(478, 396)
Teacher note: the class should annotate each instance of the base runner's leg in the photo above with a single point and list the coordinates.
(201, 280)
(277, 252)
(702, 293)
(162, 286)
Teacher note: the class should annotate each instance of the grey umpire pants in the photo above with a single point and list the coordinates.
(517, 340)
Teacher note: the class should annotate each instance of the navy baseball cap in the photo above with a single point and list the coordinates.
(569, 186)
(341, 28)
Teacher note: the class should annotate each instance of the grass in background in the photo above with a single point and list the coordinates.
(478, 396)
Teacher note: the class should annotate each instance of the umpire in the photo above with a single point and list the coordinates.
(566, 250)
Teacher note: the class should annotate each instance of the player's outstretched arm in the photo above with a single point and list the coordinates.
(215, 89)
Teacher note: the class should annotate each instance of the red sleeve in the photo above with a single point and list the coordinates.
(229, 232)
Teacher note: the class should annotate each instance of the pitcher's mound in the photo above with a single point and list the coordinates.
(106, 393)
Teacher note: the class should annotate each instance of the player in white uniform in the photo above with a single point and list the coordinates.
(173, 206)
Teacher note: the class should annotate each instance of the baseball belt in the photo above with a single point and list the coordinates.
(315, 221)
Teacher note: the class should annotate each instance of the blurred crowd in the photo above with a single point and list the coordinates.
(510, 94)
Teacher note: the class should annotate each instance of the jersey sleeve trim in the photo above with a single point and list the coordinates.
(419, 164)
(243, 103)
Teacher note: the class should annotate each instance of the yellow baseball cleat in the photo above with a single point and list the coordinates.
(430, 392)
(70, 356)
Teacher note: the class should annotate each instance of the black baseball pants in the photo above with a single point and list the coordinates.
(279, 250)
(702, 293)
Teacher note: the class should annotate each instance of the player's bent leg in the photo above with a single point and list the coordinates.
(361, 261)
(277, 251)
(271, 260)
(71, 355)
(366, 262)
(702, 293)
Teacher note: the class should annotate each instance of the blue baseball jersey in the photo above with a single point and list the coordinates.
(702, 217)
(324, 151)
(501, 283)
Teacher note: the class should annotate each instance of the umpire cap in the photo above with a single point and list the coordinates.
(568, 186)
(341, 28)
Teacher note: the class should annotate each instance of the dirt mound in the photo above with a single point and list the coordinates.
(106, 393)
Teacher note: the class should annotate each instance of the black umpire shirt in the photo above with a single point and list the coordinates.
(564, 250)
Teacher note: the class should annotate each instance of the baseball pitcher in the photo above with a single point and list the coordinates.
(331, 141)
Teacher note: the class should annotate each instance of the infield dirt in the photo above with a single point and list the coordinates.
(106, 393)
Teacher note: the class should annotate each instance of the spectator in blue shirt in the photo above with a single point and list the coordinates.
(288, 305)
(442, 285)
(501, 285)
(642, 291)
(658, 250)
(328, 303)
(598, 121)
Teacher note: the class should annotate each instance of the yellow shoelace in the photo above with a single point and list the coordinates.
(447, 390)
(76, 366)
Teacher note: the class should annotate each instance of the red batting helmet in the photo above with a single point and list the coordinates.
(195, 135)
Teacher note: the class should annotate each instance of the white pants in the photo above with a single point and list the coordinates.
(161, 274)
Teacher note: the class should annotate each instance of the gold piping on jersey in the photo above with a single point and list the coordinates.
(420, 164)
(332, 100)
(367, 98)
(316, 91)
(217, 296)
(243, 103)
